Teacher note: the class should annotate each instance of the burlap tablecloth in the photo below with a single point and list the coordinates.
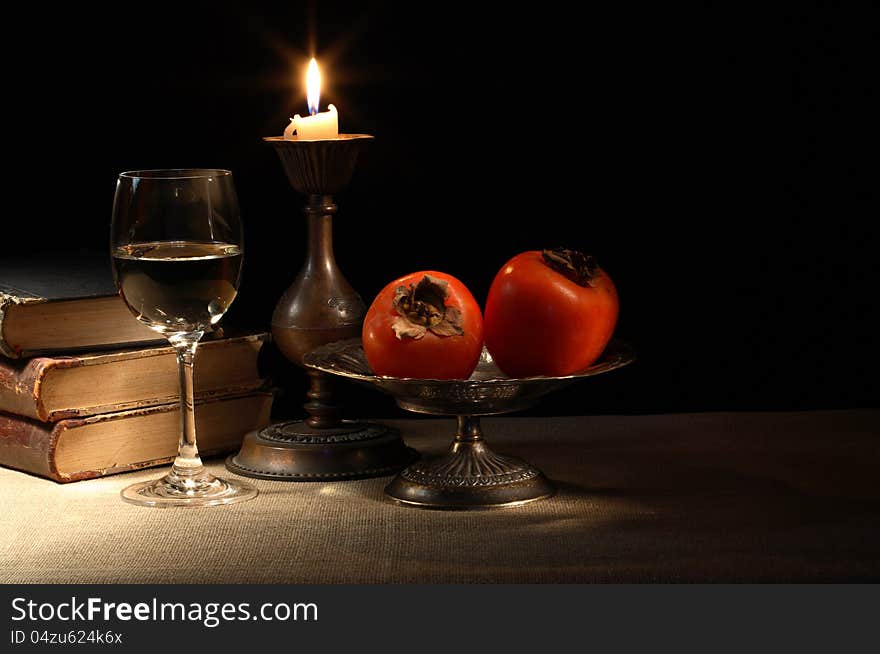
(691, 497)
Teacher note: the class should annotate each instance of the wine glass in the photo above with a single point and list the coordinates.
(176, 243)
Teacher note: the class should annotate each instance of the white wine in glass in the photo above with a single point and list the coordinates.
(177, 248)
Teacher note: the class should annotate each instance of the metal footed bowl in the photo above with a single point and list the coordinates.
(487, 392)
(469, 475)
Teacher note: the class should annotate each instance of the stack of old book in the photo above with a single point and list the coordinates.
(87, 391)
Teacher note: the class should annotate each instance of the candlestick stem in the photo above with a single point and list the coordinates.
(320, 210)
(323, 412)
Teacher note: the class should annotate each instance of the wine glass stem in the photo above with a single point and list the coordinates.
(187, 463)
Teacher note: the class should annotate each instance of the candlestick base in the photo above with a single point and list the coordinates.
(294, 451)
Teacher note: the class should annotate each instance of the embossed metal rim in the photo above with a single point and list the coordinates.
(368, 432)
(366, 473)
(331, 358)
(429, 506)
(341, 138)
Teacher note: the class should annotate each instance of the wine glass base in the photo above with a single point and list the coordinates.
(206, 491)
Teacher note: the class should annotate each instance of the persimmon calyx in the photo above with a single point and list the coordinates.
(579, 268)
(422, 308)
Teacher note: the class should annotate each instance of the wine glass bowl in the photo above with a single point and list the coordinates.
(177, 250)
(178, 287)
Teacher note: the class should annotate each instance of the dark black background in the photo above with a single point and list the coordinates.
(717, 164)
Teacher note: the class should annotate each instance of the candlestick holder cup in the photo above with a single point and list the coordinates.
(469, 475)
(319, 307)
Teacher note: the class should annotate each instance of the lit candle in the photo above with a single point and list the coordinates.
(317, 125)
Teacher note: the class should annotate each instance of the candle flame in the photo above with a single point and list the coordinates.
(313, 86)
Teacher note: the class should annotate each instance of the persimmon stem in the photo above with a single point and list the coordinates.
(422, 307)
(576, 266)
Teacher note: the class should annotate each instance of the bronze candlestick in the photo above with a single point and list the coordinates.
(320, 307)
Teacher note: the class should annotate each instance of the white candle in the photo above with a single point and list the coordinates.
(324, 125)
(318, 125)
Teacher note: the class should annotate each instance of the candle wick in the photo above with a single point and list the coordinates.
(312, 111)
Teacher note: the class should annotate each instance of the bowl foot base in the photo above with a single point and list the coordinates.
(470, 476)
(294, 451)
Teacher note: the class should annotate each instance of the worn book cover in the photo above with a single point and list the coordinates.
(63, 304)
(109, 443)
(53, 388)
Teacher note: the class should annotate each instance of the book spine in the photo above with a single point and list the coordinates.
(6, 301)
(11, 297)
(28, 446)
(20, 389)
